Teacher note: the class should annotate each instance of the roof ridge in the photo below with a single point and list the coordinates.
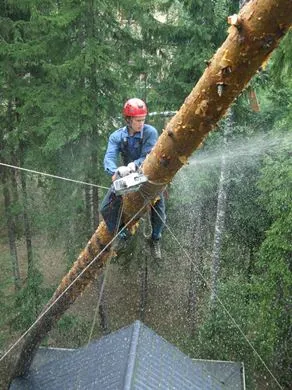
(132, 354)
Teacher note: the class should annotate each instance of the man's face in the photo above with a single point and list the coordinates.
(137, 123)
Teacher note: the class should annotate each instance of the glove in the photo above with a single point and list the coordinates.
(122, 171)
(132, 166)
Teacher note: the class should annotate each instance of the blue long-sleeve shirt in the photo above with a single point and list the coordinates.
(131, 148)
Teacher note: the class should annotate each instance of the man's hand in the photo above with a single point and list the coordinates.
(124, 171)
(132, 166)
(121, 172)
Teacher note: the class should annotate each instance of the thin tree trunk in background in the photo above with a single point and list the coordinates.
(143, 278)
(221, 208)
(12, 176)
(220, 217)
(94, 192)
(91, 34)
(27, 227)
(144, 233)
(219, 228)
(195, 268)
(15, 199)
(11, 233)
(92, 217)
(93, 168)
(250, 42)
(91, 195)
(87, 197)
(10, 195)
(104, 323)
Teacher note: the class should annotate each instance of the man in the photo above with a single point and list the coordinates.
(132, 143)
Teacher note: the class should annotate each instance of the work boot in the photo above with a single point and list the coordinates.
(121, 242)
(119, 245)
(155, 249)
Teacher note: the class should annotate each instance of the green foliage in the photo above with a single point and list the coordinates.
(218, 325)
(5, 316)
(195, 30)
(273, 278)
(29, 301)
(73, 331)
(281, 69)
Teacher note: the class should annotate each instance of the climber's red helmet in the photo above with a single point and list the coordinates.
(135, 107)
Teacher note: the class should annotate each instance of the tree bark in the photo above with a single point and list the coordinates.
(102, 309)
(92, 194)
(11, 233)
(27, 228)
(15, 199)
(87, 200)
(94, 190)
(256, 33)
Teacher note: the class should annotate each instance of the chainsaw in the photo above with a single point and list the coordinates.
(129, 183)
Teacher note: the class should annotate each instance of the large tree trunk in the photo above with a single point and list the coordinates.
(260, 26)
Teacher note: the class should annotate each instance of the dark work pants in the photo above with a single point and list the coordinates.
(111, 207)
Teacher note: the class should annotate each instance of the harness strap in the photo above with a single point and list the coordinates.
(125, 148)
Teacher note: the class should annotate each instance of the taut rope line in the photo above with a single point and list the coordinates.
(53, 176)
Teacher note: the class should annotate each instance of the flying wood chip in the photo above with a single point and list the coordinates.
(183, 159)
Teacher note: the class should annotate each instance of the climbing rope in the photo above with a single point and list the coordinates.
(53, 176)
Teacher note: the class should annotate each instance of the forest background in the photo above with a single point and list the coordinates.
(66, 69)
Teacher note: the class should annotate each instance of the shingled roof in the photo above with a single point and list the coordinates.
(131, 358)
